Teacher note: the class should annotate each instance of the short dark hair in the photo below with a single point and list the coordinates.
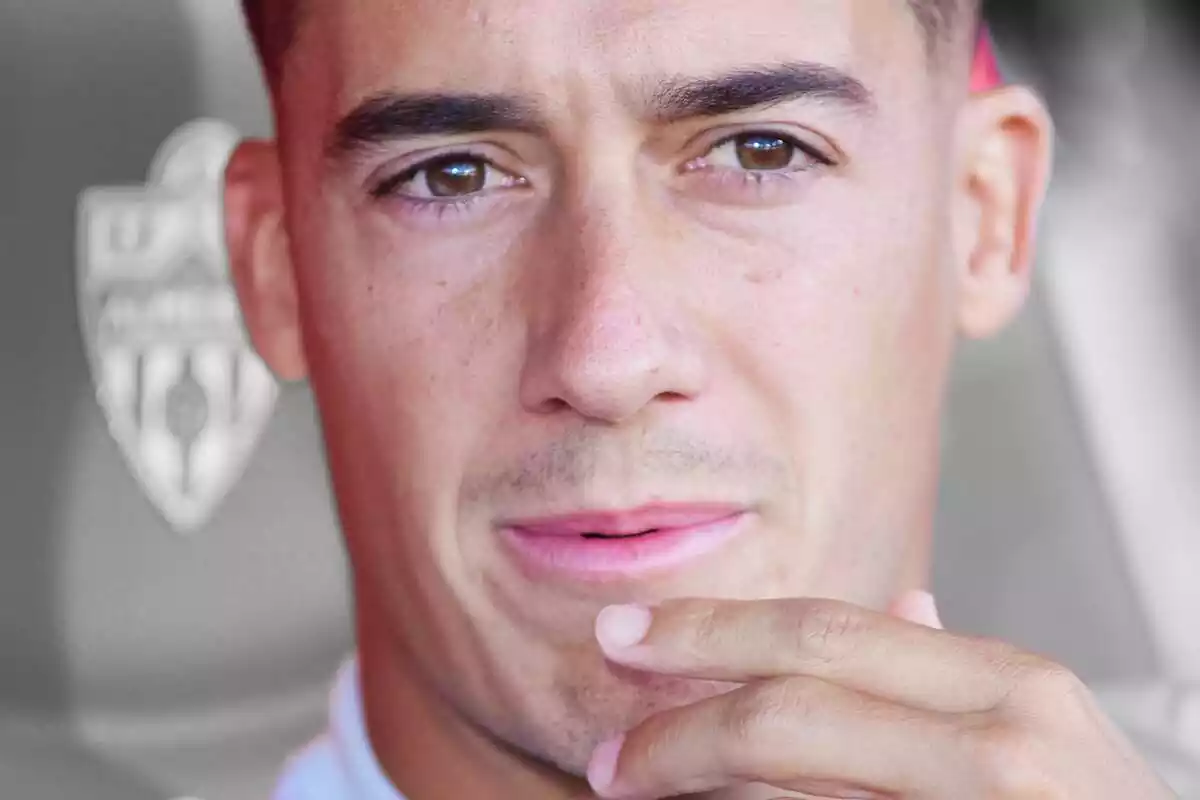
(273, 25)
(946, 20)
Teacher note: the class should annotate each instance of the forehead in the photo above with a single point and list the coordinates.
(543, 46)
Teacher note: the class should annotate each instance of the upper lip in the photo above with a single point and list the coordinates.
(626, 521)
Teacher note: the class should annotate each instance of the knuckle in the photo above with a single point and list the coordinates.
(1044, 684)
(823, 627)
(1055, 680)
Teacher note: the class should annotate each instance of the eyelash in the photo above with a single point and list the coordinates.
(387, 189)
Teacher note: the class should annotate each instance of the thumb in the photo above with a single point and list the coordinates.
(917, 606)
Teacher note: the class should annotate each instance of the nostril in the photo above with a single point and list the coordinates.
(553, 405)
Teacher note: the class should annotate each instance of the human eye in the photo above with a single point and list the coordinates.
(447, 182)
(757, 156)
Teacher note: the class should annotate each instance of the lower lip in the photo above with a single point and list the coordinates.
(600, 559)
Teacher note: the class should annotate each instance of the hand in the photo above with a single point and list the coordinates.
(841, 702)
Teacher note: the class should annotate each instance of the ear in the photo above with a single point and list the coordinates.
(1004, 149)
(260, 258)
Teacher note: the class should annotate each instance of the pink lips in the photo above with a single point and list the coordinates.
(588, 545)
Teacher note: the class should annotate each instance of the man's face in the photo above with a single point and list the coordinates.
(641, 296)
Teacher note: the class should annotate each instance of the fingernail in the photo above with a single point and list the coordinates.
(602, 769)
(927, 610)
(619, 627)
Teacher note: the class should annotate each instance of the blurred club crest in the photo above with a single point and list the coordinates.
(184, 394)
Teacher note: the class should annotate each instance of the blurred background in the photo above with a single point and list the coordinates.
(150, 651)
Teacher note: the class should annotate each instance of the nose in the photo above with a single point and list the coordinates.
(609, 336)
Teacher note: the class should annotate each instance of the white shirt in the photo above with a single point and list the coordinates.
(340, 764)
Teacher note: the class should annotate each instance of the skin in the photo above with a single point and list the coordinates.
(624, 316)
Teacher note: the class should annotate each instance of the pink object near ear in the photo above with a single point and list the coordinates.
(985, 71)
(917, 606)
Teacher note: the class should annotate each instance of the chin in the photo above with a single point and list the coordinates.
(562, 724)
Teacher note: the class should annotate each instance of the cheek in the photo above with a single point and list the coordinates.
(829, 297)
(398, 338)
(393, 311)
(407, 370)
(841, 339)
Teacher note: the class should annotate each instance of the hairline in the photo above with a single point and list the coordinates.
(939, 22)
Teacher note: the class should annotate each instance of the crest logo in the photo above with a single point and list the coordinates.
(184, 394)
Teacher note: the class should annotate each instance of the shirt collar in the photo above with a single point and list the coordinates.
(349, 733)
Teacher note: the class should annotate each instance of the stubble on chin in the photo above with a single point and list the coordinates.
(591, 706)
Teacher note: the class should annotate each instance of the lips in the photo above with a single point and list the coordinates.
(622, 544)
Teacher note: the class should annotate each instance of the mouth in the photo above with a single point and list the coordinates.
(622, 544)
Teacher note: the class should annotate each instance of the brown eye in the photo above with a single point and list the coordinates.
(761, 154)
(455, 176)
(764, 153)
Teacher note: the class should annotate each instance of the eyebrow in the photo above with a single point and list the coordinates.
(390, 117)
(753, 87)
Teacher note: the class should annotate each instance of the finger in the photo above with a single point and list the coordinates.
(740, 641)
(798, 734)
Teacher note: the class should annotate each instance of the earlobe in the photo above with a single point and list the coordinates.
(260, 258)
(1005, 152)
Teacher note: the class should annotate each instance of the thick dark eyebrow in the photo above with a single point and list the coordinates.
(389, 117)
(754, 87)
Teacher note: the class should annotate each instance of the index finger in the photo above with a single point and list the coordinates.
(740, 641)
(795, 734)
